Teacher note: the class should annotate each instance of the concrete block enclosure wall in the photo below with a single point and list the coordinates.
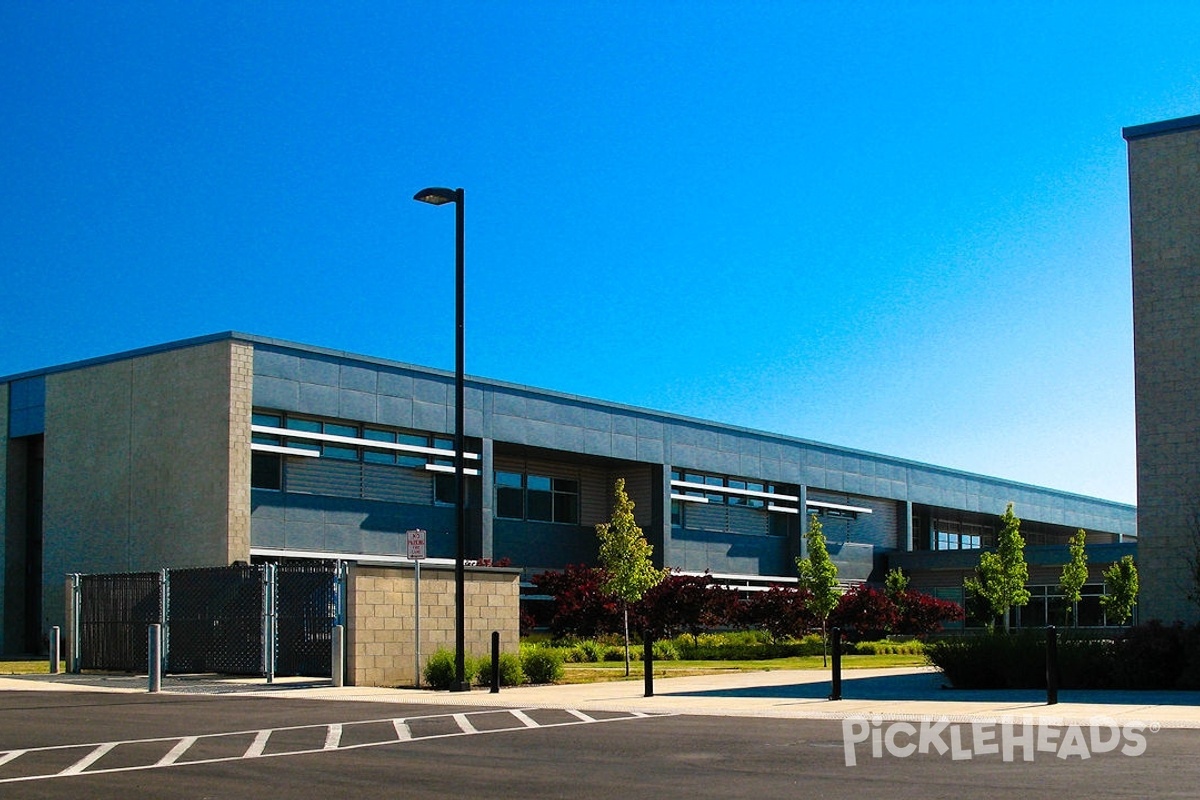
(381, 630)
(234, 447)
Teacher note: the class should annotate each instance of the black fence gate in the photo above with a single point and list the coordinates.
(306, 609)
(262, 619)
(215, 620)
(114, 612)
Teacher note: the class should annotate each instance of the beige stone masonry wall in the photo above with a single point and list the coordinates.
(1164, 191)
(381, 620)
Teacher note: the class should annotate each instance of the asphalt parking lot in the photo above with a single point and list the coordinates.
(59, 740)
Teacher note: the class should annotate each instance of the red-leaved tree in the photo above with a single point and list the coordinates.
(581, 606)
(865, 613)
(922, 614)
(784, 612)
(691, 603)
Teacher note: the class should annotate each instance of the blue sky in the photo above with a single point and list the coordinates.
(899, 227)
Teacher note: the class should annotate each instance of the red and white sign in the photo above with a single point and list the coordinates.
(416, 544)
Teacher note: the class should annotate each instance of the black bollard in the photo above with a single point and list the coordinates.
(648, 661)
(495, 662)
(1051, 666)
(835, 692)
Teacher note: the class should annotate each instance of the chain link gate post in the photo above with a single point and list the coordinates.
(73, 618)
(270, 621)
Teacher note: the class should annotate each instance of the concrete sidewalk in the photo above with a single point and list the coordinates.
(894, 694)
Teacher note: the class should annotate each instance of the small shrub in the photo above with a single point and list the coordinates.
(440, 670)
(511, 673)
(591, 651)
(617, 653)
(542, 664)
(912, 647)
(665, 651)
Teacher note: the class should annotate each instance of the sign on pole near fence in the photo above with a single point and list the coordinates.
(416, 551)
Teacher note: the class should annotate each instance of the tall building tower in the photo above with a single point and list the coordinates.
(1164, 199)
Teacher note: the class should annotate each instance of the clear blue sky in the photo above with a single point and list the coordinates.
(899, 227)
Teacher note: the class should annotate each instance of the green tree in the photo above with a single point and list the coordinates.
(1001, 575)
(895, 583)
(818, 575)
(1120, 590)
(625, 556)
(1074, 574)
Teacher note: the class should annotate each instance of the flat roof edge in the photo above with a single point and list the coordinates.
(1160, 128)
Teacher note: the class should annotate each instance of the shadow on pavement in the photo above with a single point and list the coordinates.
(930, 687)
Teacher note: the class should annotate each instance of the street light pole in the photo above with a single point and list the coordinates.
(438, 196)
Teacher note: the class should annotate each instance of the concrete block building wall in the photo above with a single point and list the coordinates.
(1164, 195)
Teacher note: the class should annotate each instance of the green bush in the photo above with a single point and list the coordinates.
(591, 650)
(440, 670)
(665, 651)
(511, 673)
(542, 664)
(743, 646)
(887, 647)
(617, 653)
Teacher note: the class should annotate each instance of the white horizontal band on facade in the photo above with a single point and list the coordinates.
(687, 498)
(353, 440)
(726, 490)
(444, 468)
(838, 507)
(783, 509)
(287, 451)
(360, 558)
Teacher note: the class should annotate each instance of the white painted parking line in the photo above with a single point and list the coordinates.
(525, 719)
(91, 758)
(333, 736)
(521, 721)
(258, 745)
(175, 752)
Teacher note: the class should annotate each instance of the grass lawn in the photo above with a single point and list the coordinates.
(615, 670)
(29, 666)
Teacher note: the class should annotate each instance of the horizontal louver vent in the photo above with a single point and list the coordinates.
(333, 478)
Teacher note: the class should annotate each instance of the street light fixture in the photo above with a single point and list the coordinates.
(438, 197)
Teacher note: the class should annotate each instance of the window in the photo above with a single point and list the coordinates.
(266, 471)
(724, 498)
(359, 450)
(537, 498)
(953, 535)
(510, 499)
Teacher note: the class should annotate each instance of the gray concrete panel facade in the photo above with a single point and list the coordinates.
(148, 461)
(141, 470)
(304, 380)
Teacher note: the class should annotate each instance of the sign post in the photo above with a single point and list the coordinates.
(416, 551)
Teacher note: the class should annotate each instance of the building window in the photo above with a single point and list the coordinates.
(537, 498)
(952, 535)
(266, 471)
(724, 482)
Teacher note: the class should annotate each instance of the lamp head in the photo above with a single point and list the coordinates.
(436, 196)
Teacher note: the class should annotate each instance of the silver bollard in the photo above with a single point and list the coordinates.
(154, 650)
(339, 655)
(55, 640)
